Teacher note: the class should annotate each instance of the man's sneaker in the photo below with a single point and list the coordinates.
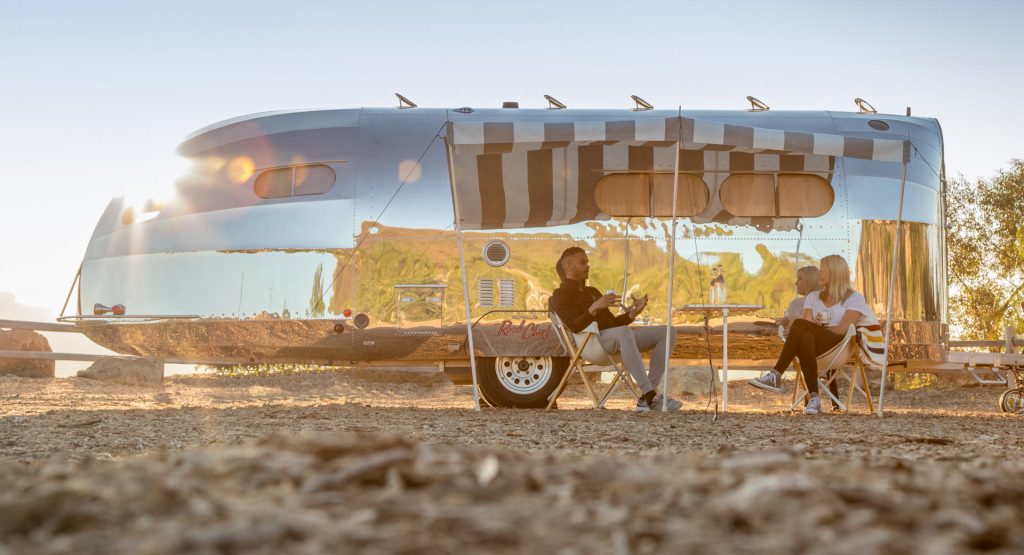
(813, 406)
(646, 402)
(769, 382)
(673, 405)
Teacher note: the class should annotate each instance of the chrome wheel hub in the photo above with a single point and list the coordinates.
(523, 374)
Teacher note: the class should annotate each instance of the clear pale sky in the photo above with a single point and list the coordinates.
(95, 96)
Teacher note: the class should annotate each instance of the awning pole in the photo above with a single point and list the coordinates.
(892, 280)
(671, 277)
(465, 277)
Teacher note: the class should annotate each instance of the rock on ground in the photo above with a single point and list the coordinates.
(125, 372)
(691, 380)
(25, 340)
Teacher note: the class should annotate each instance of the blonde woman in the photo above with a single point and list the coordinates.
(828, 313)
(806, 281)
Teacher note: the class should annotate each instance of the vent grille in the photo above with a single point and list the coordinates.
(485, 292)
(496, 253)
(506, 292)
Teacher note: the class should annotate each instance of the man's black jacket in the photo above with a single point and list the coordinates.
(571, 301)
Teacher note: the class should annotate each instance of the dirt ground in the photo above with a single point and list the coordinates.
(398, 463)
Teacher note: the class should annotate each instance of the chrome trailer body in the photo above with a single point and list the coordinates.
(327, 237)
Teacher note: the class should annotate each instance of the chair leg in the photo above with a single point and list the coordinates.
(626, 377)
(796, 384)
(574, 366)
(867, 386)
(621, 376)
(860, 375)
(590, 388)
(561, 385)
(823, 386)
(611, 389)
(853, 387)
(800, 386)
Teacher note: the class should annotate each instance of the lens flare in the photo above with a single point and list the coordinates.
(240, 169)
(208, 165)
(409, 171)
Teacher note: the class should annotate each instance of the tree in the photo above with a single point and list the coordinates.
(316, 298)
(985, 242)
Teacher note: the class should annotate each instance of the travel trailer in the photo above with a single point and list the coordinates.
(328, 236)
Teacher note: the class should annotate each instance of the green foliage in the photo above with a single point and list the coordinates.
(985, 246)
(388, 262)
(316, 298)
(385, 264)
(906, 381)
(261, 370)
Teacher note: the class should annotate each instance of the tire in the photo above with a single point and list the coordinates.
(1012, 401)
(519, 381)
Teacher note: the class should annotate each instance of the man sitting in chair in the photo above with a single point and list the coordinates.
(578, 306)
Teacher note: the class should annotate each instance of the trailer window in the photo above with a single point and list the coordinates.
(274, 183)
(624, 194)
(650, 195)
(749, 195)
(804, 195)
(691, 200)
(782, 195)
(314, 179)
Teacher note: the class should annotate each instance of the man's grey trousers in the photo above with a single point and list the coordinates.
(629, 342)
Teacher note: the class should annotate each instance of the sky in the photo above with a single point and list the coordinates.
(95, 96)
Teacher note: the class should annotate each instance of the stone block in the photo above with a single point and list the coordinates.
(691, 380)
(25, 340)
(145, 372)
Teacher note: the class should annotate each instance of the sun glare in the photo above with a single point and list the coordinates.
(409, 171)
(240, 169)
(208, 165)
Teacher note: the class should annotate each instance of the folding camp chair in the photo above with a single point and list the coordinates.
(584, 348)
(832, 365)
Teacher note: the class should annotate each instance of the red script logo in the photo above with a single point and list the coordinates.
(524, 331)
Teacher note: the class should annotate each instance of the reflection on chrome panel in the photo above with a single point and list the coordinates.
(280, 277)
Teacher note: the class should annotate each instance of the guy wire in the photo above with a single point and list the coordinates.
(376, 220)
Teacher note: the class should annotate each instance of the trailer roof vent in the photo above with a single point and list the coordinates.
(879, 125)
(510, 104)
(496, 253)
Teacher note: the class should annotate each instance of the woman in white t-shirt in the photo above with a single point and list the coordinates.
(828, 313)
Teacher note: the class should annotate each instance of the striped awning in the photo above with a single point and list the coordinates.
(539, 174)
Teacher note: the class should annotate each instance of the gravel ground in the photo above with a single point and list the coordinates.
(397, 463)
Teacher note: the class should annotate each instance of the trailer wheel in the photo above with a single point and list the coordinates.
(519, 381)
(1012, 401)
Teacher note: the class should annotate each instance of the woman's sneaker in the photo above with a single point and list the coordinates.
(813, 406)
(769, 382)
